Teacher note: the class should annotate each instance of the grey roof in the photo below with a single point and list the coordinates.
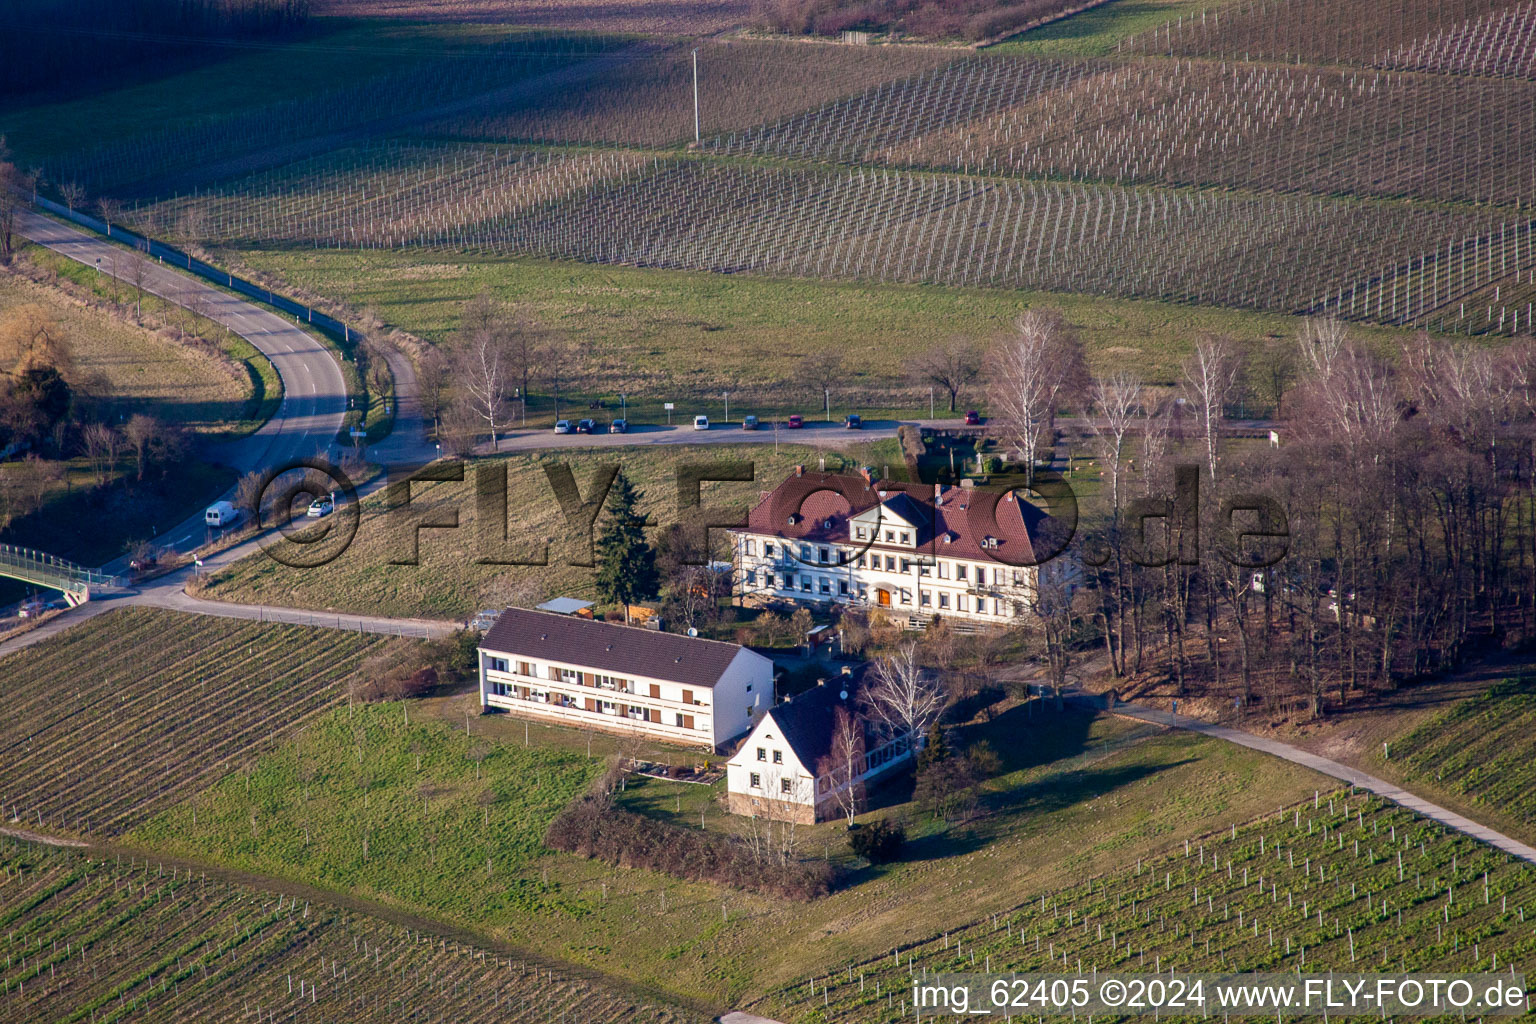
(610, 648)
(806, 720)
(564, 605)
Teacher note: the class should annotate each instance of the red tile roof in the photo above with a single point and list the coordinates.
(817, 507)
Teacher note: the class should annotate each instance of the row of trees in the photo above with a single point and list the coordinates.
(1404, 490)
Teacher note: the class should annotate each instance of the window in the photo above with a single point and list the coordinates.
(825, 555)
(778, 757)
(906, 596)
(762, 753)
(963, 603)
(756, 781)
(750, 547)
(906, 538)
(826, 586)
(687, 696)
(925, 597)
(805, 584)
(861, 534)
(961, 571)
(679, 719)
(570, 675)
(751, 578)
(1018, 577)
(922, 569)
(842, 587)
(525, 669)
(943, 570)
(501, 689)
(496, 664)
(805, 552)
(863, 561)
(767, 549)
(906, 566)
(890, 534)
(890, 562)
(784, 785)
(943, 600)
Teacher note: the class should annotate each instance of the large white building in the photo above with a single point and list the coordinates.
(590, 674)
(787, 768)
(916, 550)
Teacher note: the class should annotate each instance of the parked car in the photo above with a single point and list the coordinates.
(619, 427)
(586, 427)
(701, 423)
(320, 508)
(749, 423)
(32, 609)
(221, 513)
(484, 619)
(795, 422)
(144, 564)
(562, 426)
(973, 418)
(853, 421)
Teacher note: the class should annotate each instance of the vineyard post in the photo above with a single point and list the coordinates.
(696, 136)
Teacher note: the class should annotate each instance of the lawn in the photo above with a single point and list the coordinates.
(1100, 31)
(413, 813)
(130, 369)
(447, 583)
(678, 334)
(1080, 796)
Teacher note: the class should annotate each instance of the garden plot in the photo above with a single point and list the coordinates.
(89, 939)
(1345, 882)
(97, 737)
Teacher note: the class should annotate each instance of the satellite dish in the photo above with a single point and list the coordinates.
(843, 695)
(692, 631)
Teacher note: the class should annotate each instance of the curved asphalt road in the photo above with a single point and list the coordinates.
(314, 392)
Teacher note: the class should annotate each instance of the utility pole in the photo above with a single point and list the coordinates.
(697, 139)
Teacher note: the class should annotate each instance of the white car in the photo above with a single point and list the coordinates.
(701, 423)
(321, 507)
(562, 426)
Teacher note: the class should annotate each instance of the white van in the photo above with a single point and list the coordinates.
(701, 423)
(221, 513)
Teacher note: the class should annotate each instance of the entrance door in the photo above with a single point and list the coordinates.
(884, 597)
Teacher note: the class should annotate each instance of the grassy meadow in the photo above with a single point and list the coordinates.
(660, 334)
(1078, 795)
(448, 584)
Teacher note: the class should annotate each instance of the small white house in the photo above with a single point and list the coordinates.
(590, 674)
(784, 769)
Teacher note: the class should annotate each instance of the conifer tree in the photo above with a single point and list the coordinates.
(626, 569)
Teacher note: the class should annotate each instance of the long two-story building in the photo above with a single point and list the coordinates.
(590, 674)
(915, 550)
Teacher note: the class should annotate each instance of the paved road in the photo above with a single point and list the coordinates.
(1342, 772)
(314, 393)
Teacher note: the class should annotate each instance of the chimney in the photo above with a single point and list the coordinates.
(847, 670)
(799, 471)
(869, 478)
(938, 494)
(821, 682)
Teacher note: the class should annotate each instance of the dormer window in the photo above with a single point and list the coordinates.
(906, 538)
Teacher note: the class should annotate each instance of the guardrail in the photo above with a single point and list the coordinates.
(47, 570)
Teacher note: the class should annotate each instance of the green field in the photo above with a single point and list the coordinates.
(1079, 795)
(1347, 883)
(412, 814)
(447, 583)
(663, 334)
(160, 703)
(88, 937)
(1099, 31)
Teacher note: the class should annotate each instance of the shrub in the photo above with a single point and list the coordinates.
(879, 841)
(592, 827)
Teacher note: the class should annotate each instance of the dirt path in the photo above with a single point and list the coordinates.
(1318, 763)
(37, 837)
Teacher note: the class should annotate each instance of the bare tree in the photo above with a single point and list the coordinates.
(433, 380)
(483, 374)
(102, 444)
(73, 194)
(1322, 340)
(1211, 373)
(821, 372)
(561, 360)
(1117, 398)
(952, 366)
(903, 697)
(110, 211)
(1035, 370)
(14, 185)
(843, 765)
